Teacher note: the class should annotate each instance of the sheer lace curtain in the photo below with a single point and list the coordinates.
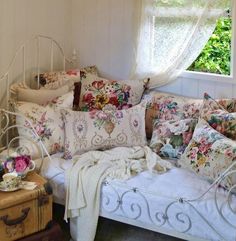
(171, 35)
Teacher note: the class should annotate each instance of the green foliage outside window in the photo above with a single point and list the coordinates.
(215, 57)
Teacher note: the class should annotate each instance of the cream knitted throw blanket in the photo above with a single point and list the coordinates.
(84, 180)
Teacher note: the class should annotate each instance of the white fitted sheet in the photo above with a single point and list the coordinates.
(159, 191)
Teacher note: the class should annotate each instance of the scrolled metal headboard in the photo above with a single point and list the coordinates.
(21, 53)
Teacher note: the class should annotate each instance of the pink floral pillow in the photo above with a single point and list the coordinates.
(48, 124)
(170, 138)
(97, 92)
(209, 154)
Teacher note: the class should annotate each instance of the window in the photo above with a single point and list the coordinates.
(217, 61)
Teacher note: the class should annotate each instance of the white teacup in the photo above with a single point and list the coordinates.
(11, 180)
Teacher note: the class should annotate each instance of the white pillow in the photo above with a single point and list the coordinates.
(41, 96)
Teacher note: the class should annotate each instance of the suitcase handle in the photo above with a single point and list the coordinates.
(16, 221)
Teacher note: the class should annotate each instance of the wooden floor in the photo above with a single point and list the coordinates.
(117, 231)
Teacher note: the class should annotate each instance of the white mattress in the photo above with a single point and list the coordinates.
(157, 191)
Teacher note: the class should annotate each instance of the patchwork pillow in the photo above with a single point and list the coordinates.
(106, 128)
(170, 138)
(209, 153)
(41, 96)
(48, 124)
(164, 106)
(97, 92)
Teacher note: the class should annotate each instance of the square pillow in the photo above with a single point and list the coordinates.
(164, 106)
(209, 153)
(101, 129)
(97, 92)
(170, 138)
(48, 124)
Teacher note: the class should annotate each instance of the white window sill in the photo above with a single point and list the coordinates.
(208, 76)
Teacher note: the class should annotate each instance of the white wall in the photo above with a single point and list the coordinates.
(102, 32)
(22, 19)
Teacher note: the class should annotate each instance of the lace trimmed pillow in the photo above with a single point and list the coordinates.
(101, 129)
(209, 154)
(97, 92)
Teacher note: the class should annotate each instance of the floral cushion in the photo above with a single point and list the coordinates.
(209, 153)
(219, 118)
(210, 106)
(228, 104)
(164, 106)
(56, 79)
(170, 138)
(97, 92)
(225, 123)
(100, 129)
(47, 123)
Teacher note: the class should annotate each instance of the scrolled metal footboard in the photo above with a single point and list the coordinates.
(177, 214)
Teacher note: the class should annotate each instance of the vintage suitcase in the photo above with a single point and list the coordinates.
(51, 233)
(24, 212)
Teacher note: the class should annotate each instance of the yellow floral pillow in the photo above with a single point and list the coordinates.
(209, 154)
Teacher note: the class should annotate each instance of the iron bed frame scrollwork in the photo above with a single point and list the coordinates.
(159, 220)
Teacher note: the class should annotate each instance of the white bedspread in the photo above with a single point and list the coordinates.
(84, 179)
(159, 191)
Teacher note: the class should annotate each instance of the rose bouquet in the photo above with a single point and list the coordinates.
(21, 164)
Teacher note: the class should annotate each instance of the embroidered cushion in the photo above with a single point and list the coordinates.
(97, 92)
(164, 106)
(47, 123)
(170, 138)
(209, 153)
(101, 129)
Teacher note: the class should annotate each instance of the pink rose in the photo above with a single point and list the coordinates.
(21, 163)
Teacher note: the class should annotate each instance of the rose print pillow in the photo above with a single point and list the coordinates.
(47, 123)
(164, 106)
(97, 92)
(101, 129)
(209, 153)
(219, 118)
(170, 138)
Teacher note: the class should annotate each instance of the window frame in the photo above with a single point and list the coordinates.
(231, 79)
